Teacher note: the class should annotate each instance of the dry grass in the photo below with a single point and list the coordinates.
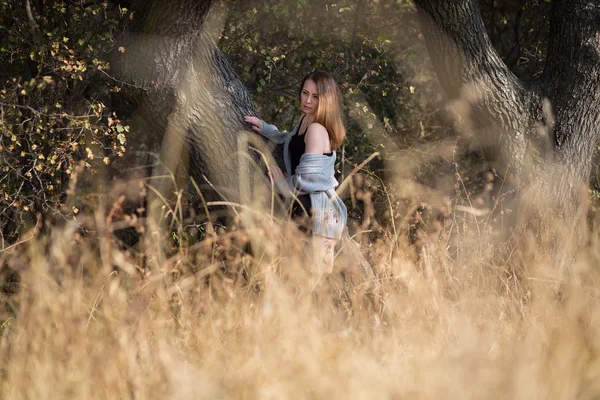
(210, 321)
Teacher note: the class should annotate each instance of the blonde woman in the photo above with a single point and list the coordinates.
(309, 157)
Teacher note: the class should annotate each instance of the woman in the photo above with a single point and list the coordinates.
(309, 157)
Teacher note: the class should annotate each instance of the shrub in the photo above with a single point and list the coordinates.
(55, 105)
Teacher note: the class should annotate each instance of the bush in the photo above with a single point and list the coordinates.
(55, 105)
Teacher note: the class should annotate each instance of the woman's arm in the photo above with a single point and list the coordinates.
(313, 174)
(317, 139)
(267, 130)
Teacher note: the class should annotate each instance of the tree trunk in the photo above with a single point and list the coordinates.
(192, 98)
(571, 82)
(545, 132)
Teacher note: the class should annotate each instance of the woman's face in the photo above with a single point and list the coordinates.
(309, 97)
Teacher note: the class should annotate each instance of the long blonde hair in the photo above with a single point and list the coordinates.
(328, 113)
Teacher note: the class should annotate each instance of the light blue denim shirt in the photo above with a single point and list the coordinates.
(315, 176)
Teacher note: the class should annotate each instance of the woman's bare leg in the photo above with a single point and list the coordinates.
(323, 253)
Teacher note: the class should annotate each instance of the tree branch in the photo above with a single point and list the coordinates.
(495, 103)
(468, 57)
(30, 19)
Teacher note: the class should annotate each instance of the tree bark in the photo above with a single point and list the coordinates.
(571, 82)
(545, 131)
(192, 98)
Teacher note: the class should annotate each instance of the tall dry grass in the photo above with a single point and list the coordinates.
(212, 320)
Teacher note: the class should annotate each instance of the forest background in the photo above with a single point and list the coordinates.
(61, 106)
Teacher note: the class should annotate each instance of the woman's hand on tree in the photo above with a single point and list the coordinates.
(256, 123)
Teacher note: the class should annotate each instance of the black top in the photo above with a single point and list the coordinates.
(297, 148)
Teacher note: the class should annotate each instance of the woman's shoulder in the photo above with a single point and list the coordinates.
(316, 130)
(316, 125)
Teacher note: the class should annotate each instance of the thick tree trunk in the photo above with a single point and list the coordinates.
(571, 82)
(545, 131)
(192, 98)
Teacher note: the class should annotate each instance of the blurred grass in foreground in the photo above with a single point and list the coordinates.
(94, 319)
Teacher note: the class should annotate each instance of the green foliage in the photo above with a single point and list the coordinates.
(54, 112)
